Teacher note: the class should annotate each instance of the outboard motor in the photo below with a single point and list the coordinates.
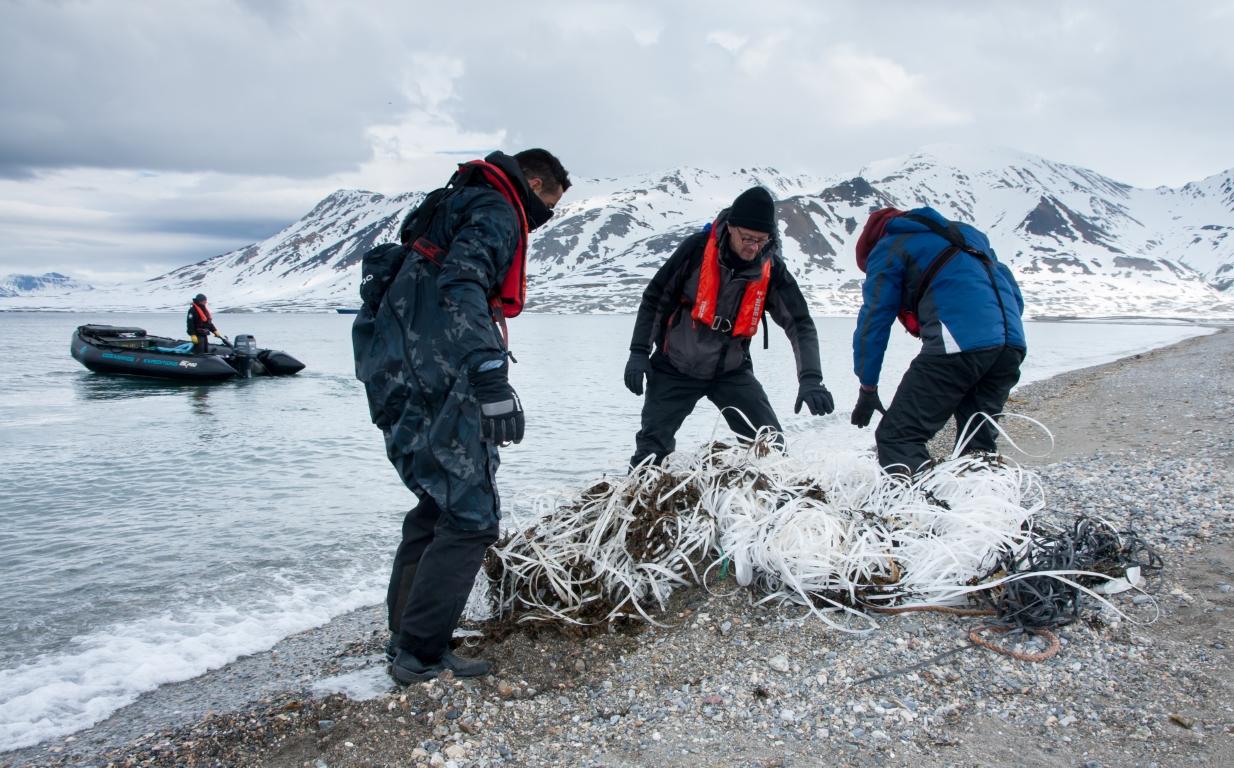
(244, 354)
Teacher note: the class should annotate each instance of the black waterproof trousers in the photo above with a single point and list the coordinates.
(201, 343)
(938, 387)
(434, 570)
(671, 397)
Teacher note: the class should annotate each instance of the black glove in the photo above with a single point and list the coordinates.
(501, 413)
(815, 396)
(867, 404)
(636, 368)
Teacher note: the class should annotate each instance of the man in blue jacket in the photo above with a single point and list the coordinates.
(944, 283)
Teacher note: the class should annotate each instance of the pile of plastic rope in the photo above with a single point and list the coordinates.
(833, 534)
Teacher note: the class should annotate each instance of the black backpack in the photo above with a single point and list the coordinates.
(381, 264)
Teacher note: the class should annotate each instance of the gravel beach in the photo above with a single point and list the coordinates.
(1143, 442)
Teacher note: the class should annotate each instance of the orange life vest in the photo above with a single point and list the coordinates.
(745, 325)
(202, 312)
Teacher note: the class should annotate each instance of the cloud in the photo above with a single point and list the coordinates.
(641, 24)
(207, 87)
(231, 228)
(729, 41)
(865, 89)
(124, 120)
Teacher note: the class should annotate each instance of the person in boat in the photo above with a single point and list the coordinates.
(700, 312)
(947, 287)
(432, 353)
(200, 324)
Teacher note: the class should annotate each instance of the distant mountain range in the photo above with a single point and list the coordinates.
(1080, 243)
(47, 284)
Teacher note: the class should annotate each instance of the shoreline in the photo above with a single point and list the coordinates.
(1087, 408)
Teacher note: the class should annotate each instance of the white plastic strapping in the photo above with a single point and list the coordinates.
(829, 533)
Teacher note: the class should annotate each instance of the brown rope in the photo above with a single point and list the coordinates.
(974, 636)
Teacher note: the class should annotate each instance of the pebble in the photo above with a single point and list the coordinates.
(778, 663)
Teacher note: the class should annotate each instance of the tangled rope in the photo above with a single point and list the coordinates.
(832, 534)
(616, 552)
(1091, 551)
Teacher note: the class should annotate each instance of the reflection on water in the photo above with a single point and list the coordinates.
(199, 398)
(101, 386)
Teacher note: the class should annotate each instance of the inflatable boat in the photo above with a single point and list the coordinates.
(131, 352)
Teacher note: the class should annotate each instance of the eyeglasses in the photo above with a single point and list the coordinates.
(743, 239)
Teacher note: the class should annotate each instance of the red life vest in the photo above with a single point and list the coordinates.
(202, 312)
(745, 325)
(510, 299)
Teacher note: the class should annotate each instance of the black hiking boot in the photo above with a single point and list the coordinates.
(462, 666)
(408, 669)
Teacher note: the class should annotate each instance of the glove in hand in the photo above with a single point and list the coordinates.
(867, 404)
(815, 396)
(636, 368)
(501, 413)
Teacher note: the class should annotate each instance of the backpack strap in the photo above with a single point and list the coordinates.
(957, 243)
(950, 233)
(420, 218)
(939, 262)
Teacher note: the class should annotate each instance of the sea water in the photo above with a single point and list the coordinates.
(152, 531)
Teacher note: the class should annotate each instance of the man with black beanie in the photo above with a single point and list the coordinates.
(692, 336)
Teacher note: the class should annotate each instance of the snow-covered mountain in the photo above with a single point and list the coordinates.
(1080, 243)
(46, 284)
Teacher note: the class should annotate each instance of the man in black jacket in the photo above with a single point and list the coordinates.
(433, 361)
(200, 324)
(700, 312)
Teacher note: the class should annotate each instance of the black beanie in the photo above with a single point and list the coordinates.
(754, 209)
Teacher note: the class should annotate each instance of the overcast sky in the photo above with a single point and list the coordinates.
(139, 136)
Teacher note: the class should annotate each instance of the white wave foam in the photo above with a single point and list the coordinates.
(61, 693)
